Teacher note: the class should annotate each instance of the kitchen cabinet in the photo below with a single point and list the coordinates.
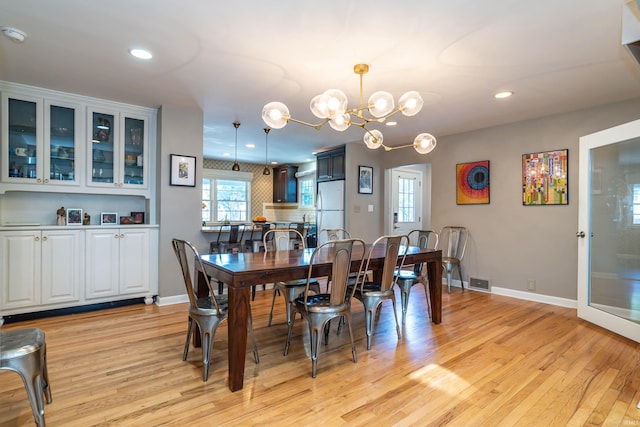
(40, 140)
(119, 147)
(40, 267)
(330, 165)
(285, 184)
(117, 262)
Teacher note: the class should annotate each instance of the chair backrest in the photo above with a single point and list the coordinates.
(454, 241)
(279, 239)
(235, 235)
(187, 256)
(424, 238)
(342, 253)
(394, 250)
(333, 234)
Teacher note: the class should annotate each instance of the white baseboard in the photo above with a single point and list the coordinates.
(174, 299)
(531, 296)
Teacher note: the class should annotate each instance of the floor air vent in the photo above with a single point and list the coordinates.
(479, 284)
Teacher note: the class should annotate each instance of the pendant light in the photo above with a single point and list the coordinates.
(266, 170)
(236, 166)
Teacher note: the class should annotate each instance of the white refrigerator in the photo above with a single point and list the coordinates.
(329, 206)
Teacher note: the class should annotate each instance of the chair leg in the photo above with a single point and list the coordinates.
(404, 301)
(33, 386)
(207, 343)
(290, 333)
(186, 344)
(460, 274)
(314, 337)
(448, 273)
(347, 318)
(273, 303)
(369, 324)
(395, 315)
(45, 377)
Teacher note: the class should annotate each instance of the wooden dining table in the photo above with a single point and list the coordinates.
(243, 270)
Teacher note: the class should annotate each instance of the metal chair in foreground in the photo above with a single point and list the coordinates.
(319, 309)
(24, 351)
(207, 312)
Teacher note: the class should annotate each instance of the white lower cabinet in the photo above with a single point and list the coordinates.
(40, 267)
(61, 267)
(117, 262)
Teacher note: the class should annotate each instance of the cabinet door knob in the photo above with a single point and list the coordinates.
(122, 236)
(117, 236)
(44, 238)
(37, 238)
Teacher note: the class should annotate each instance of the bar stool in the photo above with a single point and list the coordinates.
(24, 352)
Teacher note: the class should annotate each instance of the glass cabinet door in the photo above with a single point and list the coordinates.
(104, 151)
(23, 136)
(134, 151)
(60, 144)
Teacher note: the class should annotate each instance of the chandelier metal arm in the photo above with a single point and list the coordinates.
(316, 126)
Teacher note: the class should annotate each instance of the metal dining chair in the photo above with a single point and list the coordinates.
(318, 309)
(280, 240)
(332, 234)
(207, 312)
(373, 293)
(234, 243)
(417, 274)
(454, 242)
(24, 351)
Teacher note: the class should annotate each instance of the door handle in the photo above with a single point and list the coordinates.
(580, 234)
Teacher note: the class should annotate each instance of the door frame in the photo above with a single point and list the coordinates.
(619, 325)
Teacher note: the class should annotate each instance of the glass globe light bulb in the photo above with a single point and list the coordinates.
(410, 103)
(380, 104)
(275, 115)
(424, 143)
(336, 102)
(340, 122)
(319, 106)
(373, 139)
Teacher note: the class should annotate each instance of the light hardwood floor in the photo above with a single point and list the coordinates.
(494, 361)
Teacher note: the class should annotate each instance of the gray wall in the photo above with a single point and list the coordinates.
(180, 131)
(511, 243)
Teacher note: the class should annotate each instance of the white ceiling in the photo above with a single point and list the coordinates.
(230, 58)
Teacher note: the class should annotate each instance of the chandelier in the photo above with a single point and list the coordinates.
(331, 107)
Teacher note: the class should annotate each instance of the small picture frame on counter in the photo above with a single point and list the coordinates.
(74, 216)
(126, 220)
(137, 217)
(108, 218)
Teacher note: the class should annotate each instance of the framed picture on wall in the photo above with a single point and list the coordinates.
(365, 180)
(183, 170)
(472, 183)
(545, 178)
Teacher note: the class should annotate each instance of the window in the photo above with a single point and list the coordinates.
(406, 200)
(226, 196)
(305, 186)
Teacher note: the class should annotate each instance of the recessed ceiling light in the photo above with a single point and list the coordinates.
(226, 154)
(392, 123)
(274, 163)
(503, 94)
(14, 34)
(250, 145)
(140, 53)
